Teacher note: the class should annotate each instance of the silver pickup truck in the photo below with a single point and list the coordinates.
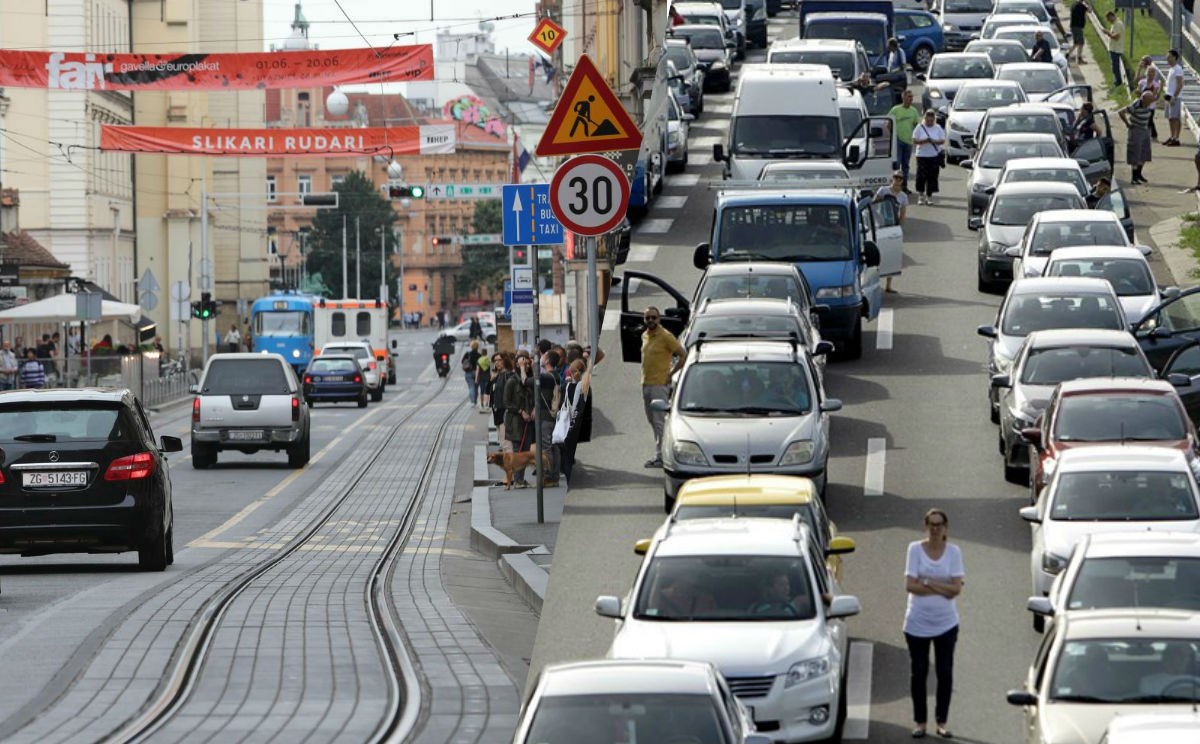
(249, 402)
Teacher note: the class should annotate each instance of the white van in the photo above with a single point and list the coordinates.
(847, 59)
(790, 111)
(875, 172)
(340, 321)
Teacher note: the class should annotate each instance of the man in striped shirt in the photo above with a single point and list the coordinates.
(32, 374)
(1137, 150)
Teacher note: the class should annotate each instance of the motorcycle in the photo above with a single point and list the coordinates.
(443, 349)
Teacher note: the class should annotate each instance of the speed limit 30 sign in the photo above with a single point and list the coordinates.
(589, 194)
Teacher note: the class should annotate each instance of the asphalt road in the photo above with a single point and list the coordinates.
(918, 393)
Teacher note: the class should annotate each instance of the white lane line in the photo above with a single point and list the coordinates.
(683, 179)
(883, 329)
(670, 202)
(718, 108)
(876, 463)
(655, 226)
(704, 143)
(858, 691)
(612, 319)
(640, 253)
(699, 159)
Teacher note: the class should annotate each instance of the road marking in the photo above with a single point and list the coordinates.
(876, 463)
(705, 143)
(699, 159)
(858, 690)
(207, 540)
(612, 319)
(683, 179)
(670, 202)
(718, 108)
(655, 226)
(641, 253)
(883, 329)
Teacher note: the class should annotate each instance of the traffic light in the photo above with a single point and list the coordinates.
(324, 199)
(406, 192)
(442, 240)
(206, 308)
(519, 256)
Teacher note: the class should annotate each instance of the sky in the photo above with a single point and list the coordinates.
(378, 21)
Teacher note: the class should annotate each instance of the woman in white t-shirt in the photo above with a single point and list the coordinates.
(933, 577)
(930, 141)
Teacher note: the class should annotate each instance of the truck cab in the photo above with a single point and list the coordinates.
(837, 237)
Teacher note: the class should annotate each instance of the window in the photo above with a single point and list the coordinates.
(246, 376)
(304, 184)
(337, 324)
(362, 324)
(270, 188)
(336, 181)
(65, 421)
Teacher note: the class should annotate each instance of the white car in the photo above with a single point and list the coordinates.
(1161, 728)
(949, 71)
(995, 22)
(1063, 169)
(374, 374)
(1052, 229)
(1097, 666)
(1034, 8)
(1125, 267)
(1037, 79)
(462, 331)
(748, 595)
(966, 111)
(995, 155)
(1026, 35)
(828, 172)
(678, 125)
(1109, 489)
(1126, 569)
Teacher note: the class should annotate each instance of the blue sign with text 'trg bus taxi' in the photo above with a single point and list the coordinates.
(528, 218)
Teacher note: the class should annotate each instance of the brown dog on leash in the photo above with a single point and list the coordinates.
(514, 461)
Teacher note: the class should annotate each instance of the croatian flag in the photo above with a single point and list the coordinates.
(520, 159)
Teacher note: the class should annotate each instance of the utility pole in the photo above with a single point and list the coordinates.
(203, 262)
(1176, 26)
(357, 259)
(383, 288)
(345, 267)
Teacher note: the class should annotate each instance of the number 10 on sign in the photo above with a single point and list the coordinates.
(589, 194)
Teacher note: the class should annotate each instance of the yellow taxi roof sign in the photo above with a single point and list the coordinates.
(588, 117)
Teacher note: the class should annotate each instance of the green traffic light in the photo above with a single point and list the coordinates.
(418, 192)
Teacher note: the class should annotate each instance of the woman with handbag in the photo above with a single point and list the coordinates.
(930, 141)
(518, 412)
(574, 396)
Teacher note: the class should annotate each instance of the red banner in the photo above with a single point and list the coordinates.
(429, 139)
(235, 71)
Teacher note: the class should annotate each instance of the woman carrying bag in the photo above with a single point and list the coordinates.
(930, 141)
(518, 413)
(574, 396)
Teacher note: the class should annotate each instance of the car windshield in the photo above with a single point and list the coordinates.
(996, 154)
(967, 6)
(1051, 175)
(357, 352)
(281, 323)
(984, 97)
(1027, 36)
(870, 34)
(768, 511)
(1123, 496)
(1127, 670)
(1128, 276)
(641, 717)
(747, 387)
(1037, 10)
(749, 286)
(1052, 366)
(841, 63)
(333, 366)
(1049, 236)
(726, 326)
(680, 55)
(991, 29)
(1001, 54)
(64, 422)
(803, 174)
(726, 588)
(1022, 123)
(785, 232)
(1137, 581)
(1119, 418)
(699, 19)
(1018, 209)
(703, 38)
(786, 136)
(245, 377)
(850, 119)
(731, 4)
(1040, 80)
(1046, 312)
(944, 68)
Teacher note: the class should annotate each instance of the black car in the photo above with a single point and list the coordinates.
(81, 472)
(714, 53)
(335, 377)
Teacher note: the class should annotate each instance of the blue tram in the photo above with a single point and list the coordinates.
(283, 324)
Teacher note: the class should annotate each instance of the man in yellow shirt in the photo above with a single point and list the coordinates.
(662, 356)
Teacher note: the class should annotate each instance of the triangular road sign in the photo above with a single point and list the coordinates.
(588, 117)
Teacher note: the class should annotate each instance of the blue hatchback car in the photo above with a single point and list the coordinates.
(920, 37)
(335, 377)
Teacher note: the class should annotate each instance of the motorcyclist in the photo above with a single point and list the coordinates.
(443, 350)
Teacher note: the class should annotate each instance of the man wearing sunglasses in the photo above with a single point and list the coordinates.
(662, 357)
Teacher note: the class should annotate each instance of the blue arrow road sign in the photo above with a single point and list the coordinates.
(528, 217)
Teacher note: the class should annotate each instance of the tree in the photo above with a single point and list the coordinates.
(358, 198)
(484, 267)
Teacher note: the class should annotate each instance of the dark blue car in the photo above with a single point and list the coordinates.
(335, 377)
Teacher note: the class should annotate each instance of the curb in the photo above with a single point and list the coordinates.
(171, 406)
(527, 577)
(1181, 264)
(485, 538)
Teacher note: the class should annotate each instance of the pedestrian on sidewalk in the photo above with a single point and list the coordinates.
(1079, 13)
(483, 379)
(8, 367)
(547, 386)
(1137, 149)
(930, 140)
(578, 388)
(1195, 160)
(470, 367)
(905, 118)
(1113, 35)
(1052, 11)
(1172, 96)
(518, 413)
(33, 374)
(933, 578)
(233, 339)
(662, 357)
(502, 365)
(1149, 78)
(895, 192)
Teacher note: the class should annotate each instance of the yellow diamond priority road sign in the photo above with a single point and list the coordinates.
(547, 35)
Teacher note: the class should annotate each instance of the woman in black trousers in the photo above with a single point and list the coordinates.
(929, 139)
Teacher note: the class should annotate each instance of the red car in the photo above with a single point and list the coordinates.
(1107, 410)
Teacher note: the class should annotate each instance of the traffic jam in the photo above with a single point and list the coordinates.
(736, 627)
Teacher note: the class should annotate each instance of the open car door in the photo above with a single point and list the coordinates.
(889, 236)
(1169, 326)
(650, 290)
(872, 288)
(1095, 155)
(1186, 361)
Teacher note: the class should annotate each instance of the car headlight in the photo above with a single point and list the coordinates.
(673, 138)
(1053, 564)
(689, 453)
(994, 247)
(980, 187)
(956, 127)
(1023, 418)
(739, 21)
(1002, 363)
(834, 293)
(949, 28)
(718, 65)
(802, 671)
(295, 353)
(798, 453)
(935, 94)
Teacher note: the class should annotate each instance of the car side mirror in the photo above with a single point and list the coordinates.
(1001, 381)
(170, 444)
(641, 546)
(843, 605)
(608, 606)
(878, 70)
(1169, 293)
(823, 348)
(658, 404)
(840, 546)
(193, 388)
(990, 190)
(1160, 332)
(1033, 435)
(1013, 252)
(920, 76)
(871, 254)
(1040, 606)
(821, 310)
(689, 117)
(702, 256)
(968, 164)
(1030, 514)
(853, 155)
(1145, 249)
(986, 331)
(395, 344)
(718, 151)
(1021, 697)
(1083, 162)
(1179, 380)
(974, 223)
(830, 405)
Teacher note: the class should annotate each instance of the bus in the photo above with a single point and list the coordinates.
(283, 324)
